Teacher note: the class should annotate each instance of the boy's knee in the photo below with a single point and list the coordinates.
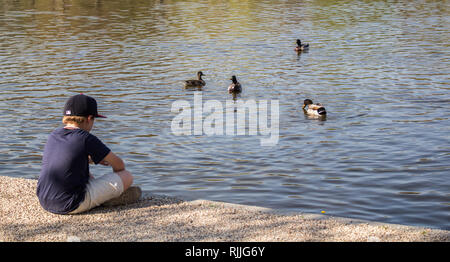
(127, 179)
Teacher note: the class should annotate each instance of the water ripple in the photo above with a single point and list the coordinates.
(381, 69)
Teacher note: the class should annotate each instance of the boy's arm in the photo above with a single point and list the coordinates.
(114, 161)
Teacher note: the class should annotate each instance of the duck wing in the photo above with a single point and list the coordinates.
(234, 88)
(193, 83)
(314, 106)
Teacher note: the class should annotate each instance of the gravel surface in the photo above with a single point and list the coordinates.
(162, 218)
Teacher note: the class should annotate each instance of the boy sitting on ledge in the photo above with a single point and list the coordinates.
(65, 185)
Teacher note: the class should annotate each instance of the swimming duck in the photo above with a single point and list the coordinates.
(195, 83)
(300, 46)
(235, 87)
(313, 109)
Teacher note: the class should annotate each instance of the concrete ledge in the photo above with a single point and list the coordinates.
(162, 218)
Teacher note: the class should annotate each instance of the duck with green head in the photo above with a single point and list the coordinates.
(301, 47)
(235, 87)
(313, 109)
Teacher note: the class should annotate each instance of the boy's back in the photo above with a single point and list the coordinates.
(65, 168)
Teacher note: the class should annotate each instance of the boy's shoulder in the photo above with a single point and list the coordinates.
(75, 137)
(75, 133)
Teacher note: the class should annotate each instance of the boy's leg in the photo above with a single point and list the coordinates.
(127, 178)
(130, 193)
(102, 189)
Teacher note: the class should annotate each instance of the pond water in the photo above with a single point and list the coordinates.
(381, 68)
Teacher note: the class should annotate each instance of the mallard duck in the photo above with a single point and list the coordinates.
(235, 87)
(195, 83)
(313, 109)
(300, 46)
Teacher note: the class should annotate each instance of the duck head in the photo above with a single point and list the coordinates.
(199, 75)
(307, 102)
(299, 43)
(233, 78)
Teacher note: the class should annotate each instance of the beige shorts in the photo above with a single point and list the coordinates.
(100, 190)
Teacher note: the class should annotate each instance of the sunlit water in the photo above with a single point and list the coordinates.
(381, 68)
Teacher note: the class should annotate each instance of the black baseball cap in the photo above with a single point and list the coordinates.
(81, 105)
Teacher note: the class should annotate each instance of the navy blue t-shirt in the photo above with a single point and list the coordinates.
(65, 168)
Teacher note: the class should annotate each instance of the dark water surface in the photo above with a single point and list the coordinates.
(381, 68)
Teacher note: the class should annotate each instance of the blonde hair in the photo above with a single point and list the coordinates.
(78, 120)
